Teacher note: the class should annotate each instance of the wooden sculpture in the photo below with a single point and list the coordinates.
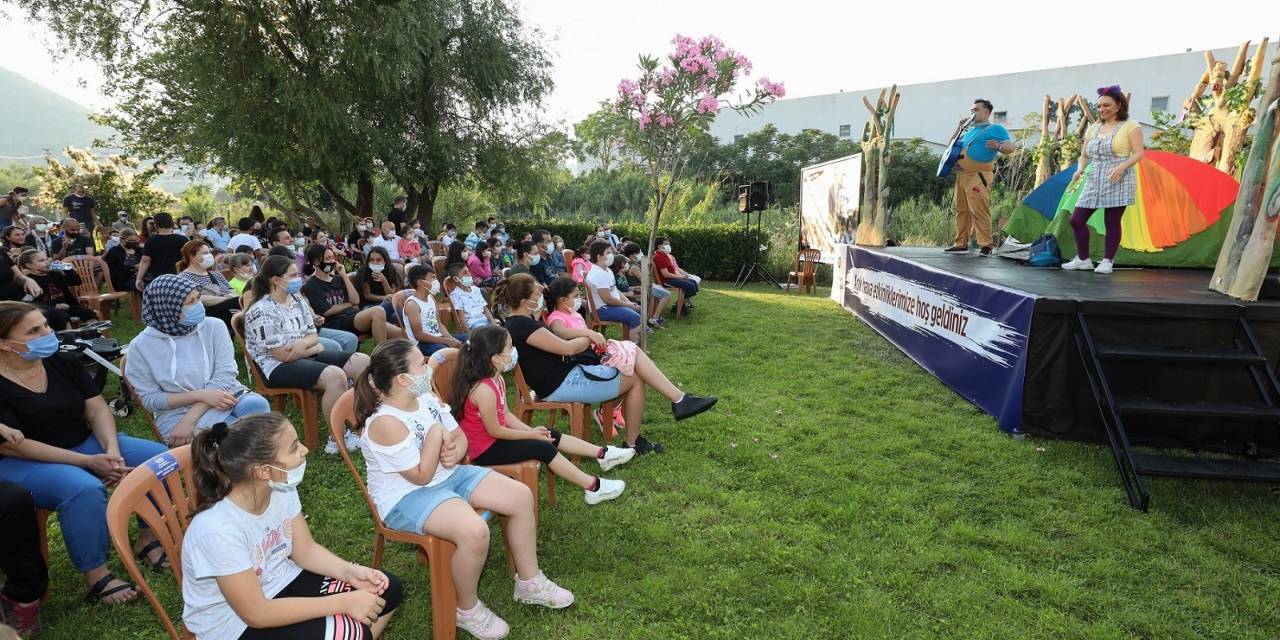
(1221, 121)
(1059, 149)
(876, 136)
(1250, 240)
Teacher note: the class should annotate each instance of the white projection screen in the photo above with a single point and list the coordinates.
(829, 197)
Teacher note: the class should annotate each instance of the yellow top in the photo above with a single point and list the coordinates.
(1120, 141)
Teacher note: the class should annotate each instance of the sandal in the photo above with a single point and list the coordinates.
(160, 563)
(99, 590)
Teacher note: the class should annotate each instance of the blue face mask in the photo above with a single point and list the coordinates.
(295, 285)
(193, 315)
(41, 348)
(536, 260)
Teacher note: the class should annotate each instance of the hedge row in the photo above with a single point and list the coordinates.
(712, 251)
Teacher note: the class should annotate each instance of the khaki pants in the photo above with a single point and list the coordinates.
(973, 202)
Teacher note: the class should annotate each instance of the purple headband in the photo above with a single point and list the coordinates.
(1115, 88)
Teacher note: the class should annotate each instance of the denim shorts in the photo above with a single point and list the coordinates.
(577, 387)
(411, 512)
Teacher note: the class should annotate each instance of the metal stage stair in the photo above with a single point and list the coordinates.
(1245, 354)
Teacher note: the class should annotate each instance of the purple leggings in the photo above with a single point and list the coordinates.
(1079, 224)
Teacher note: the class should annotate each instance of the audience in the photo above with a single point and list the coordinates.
(420, 321)
(245, 237)
(281, 336)
(38, 236)
(73, 241)
(526, 258)
(70, 451)
(478, 264)
(183, 365)
(631, 270)
(56, 290)
(412, 453)
(217, 235)
(14, 240)
(161, 252)
(333, 296)
(479, 236)
(408, 246)
(496, 436)
(242, 269)
(25, 572)
(377, 283)
(388, 241)
(581, 264)
(449, 234)
(250, 566)
(216, 294)
(610, 304)
(123, 259)
(550, 366)
(670, 274)
(467, 298)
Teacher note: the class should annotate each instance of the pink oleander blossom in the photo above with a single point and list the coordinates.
(645, 118)
(708, 104)
(743, 63)
(666, 77)
(768, 88)
(665, 120)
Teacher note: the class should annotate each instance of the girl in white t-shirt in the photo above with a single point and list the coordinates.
(412, 449)
(250, 568)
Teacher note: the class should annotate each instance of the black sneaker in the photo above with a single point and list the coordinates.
(985, 252)
(964, 249)
(643, 446)
(692, 405)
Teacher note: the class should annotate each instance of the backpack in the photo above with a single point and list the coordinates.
(1044, 252)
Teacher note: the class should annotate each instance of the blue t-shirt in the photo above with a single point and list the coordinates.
(975, 141)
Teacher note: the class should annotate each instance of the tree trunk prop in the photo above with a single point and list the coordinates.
(875, 158)
(1242, 264)
(1220, 129)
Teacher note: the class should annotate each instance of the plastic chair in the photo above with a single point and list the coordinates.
(89, 291)
(437, 553)
(803, 273)
(526, 472)
(594, 323)
(137, 400)
(437, 247)
(579, 413)
(161, 492)
(305, 399)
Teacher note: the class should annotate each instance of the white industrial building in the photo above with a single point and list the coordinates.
(930, 110)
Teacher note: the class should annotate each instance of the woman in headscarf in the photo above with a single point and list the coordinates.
(183, 365)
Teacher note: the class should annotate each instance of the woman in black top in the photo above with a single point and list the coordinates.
(216, 295)
(378, 278)
(123, 260)
(161, 253)
(543, 360)
(70, 451)
(57, 285)
(331, 294)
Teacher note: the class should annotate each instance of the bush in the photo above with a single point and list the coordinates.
(712, 251)
(921, 221)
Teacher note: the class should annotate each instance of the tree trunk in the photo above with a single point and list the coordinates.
(426, 206)
(364, 197)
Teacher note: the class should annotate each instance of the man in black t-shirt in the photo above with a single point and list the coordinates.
(81, 206)
(397, 215)
(161, 253)
(74, 241)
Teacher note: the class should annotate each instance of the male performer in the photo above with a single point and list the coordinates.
(974, 173)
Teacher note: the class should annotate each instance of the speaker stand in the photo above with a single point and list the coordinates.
(751, 268)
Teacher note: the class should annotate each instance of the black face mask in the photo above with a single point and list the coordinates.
(131, 244)
(329, 267)
(73, 234)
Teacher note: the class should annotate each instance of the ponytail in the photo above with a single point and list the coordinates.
(475, 363)
(224, 455)
(388, 360)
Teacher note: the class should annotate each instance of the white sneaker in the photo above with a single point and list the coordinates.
(542, 591)
(483, 623)
(353, 442)
(609, 489)
(331, 447)
(1103, 267)
(1079, 264)
(614, 456)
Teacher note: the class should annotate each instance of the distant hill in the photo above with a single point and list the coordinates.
(34, 120)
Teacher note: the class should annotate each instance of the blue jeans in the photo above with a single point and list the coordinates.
(79, 496)
(337, 340)
(611, 313)
(428, 348)
(250, 404)
(689, 287)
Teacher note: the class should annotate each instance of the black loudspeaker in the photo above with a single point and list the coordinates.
(753, 197)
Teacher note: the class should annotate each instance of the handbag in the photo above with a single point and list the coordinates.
(589, 358)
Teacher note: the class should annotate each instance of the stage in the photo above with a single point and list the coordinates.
(1003, 335)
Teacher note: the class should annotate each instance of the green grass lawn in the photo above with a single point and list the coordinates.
(837, 491)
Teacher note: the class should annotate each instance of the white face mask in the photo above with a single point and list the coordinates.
(551, 246)
(608, 259)
(435, 287)
(577, 305)
(293, 477)
(361, 227)
(377, 268)
(515, 357)
(537, 308)
(536, 259)
(206, 261)
(298, 242)
(666, 248)
(42, 228)
(421, 383)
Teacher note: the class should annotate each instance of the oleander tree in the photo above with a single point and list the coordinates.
(670, 107)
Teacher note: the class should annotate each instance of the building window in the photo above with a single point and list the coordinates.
(1000, 116)
(1159, 103)
(844, 130)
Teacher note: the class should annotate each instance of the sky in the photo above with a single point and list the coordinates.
(813, 47)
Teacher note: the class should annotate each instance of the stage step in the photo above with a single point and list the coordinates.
(1239, 410)
(1144, 353)
(1208, 468)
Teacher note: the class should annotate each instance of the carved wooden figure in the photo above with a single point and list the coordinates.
(1220, 128)
(876, 136)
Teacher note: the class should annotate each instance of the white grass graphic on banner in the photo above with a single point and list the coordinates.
(920, 308)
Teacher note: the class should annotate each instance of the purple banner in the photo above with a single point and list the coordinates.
(971, 334)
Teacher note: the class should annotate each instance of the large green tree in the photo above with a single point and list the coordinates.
(332, 92)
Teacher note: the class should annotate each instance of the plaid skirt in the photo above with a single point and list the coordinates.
(1099, 192)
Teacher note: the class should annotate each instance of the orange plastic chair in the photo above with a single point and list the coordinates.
(803, 272)
(137, 400)
(526, 472)
(89, 292)
(437, 247)
(433, 551)
(161, 492)
(305, 399)
(579, 413)
(595, 323)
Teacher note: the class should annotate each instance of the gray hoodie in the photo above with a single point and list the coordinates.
(160, 364)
